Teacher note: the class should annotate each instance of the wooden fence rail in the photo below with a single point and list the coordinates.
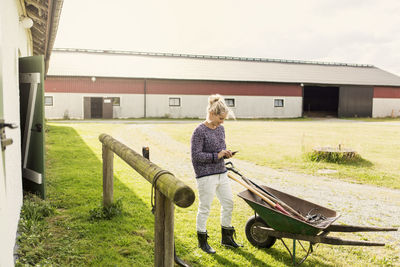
(168, 190)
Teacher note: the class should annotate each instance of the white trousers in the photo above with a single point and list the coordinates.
(207, 187)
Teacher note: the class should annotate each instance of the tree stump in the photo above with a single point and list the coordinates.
(334, 154)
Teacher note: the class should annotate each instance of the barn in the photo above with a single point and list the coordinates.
(85, 84)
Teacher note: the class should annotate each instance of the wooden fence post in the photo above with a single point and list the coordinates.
(108, 176)
(163, 226)
(163, 231)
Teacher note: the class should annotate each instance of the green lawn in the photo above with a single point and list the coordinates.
(284, 144)
(74, 186)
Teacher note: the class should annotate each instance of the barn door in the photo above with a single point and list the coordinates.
(86, 108)
(107, 108)
(355, 101)
(96, 107)
(32, 123)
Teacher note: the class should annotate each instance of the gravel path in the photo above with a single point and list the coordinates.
(359, 204)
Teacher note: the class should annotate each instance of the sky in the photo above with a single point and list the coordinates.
(346, 31)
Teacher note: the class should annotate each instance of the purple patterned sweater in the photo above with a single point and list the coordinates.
(205, 145)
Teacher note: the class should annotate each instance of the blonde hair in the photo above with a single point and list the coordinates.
(217, 105)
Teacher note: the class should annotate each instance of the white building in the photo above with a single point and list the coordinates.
(26, 29)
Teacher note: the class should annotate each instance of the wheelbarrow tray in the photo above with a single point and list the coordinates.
(284, 223)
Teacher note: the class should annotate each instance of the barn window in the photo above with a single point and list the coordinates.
(230, 102)
(278, 103)
(48, 101)
(174, 102)
(116, 101)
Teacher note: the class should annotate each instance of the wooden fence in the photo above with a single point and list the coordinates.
(168, 190)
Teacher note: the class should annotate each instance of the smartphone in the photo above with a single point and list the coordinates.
(233, 153)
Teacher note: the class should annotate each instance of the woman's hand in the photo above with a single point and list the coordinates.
(225, 154)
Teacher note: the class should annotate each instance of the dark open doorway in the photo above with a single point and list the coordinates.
(96, 107)
(320, 101)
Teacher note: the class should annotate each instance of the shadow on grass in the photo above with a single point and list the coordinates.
(360, 163)
(357, 161)
(287, 260)
(278, 255)
(75, 187)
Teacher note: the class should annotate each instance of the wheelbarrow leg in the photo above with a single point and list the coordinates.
(293, 252)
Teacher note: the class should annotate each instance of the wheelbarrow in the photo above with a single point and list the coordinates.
(313, 224)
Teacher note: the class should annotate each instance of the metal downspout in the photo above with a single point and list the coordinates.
(144, 98)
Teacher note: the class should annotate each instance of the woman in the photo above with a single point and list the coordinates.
(208, 150)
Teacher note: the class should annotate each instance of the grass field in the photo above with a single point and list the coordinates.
(74, 182)
(284, 145)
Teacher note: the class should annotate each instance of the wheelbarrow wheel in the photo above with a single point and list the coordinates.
(257, 237)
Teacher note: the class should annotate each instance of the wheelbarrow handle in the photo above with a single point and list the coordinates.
(251, 189)
(264, 192)
(358, 228)
(283, 204)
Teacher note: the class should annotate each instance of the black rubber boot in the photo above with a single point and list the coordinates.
(202, 236)
(227, 237)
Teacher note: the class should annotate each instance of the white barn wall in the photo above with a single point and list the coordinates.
(14, 42)
(131, 106)
(71, 104)
(385, 107)
(194, 106)
(157, 105)
(263, 107)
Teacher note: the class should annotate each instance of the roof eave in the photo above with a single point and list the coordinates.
(45, 15)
